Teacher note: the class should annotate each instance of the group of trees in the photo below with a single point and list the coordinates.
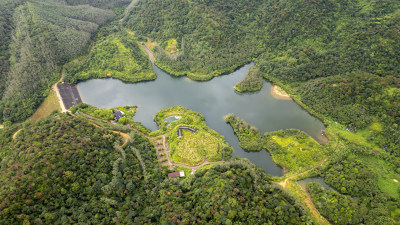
(252, 82)
(38, 38)
(295, 43)
(117, 54)
(64, 170)
(364, 189)
(249, 136)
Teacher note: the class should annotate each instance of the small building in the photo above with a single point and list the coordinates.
(179, 132)
(118, 115)
(351, 129)
(177, 174)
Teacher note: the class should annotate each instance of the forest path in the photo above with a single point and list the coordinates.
(308, 200)
(149, 52)
(16, 133)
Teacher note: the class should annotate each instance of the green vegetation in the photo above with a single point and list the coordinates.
(53, 182)
(187, 117)
(252, 82)
(39, 37)
(365, 184)
(294, 150)
(116, 55)
(338, 58)
(49, 105)
(249, 137)
(93, 114)
(192, 148)
(213, 37)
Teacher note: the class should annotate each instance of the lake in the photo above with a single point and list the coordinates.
(214, 99)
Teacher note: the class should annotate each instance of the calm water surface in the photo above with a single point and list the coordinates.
(214, 99)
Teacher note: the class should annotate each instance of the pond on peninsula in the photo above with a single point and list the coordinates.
(214, 99)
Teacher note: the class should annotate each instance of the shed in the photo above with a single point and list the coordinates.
(177, 174)
(118, 115)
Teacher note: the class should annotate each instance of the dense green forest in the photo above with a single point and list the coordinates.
(366, 188)
(62, 169)
(339, 59)
(248, 135)
(37, 38)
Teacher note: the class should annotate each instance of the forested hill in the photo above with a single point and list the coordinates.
(214, 37)
(36, 38)
(64, 170)
(339, 57)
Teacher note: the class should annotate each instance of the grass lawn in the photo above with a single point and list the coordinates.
(294, 150)
(49, 105)
(388, 179)
(360, 137)
(193, 148)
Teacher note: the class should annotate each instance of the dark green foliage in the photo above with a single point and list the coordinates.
(60, 168)
(343, 209)
(44, 35)
(249, 137)
(64, 170)
(357, 99)
(231, 192)
(351, 176)
(252, 82)
(214, 37)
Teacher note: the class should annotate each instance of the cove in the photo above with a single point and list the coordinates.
(214, 99)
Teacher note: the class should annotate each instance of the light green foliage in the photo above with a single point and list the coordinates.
(192, 148)
(249, 137)
(294, 149)
(252, 82)
(187, 117)
(116, 55)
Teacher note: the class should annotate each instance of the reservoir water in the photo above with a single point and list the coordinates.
(214, 99)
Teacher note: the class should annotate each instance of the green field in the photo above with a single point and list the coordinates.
(49, 105)
(193, 148)
(294, 150)
(388, 178)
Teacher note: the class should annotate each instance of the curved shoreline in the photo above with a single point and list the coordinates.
(278, 93)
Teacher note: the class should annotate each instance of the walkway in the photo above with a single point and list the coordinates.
(151, 56)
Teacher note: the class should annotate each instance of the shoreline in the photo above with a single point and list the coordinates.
(279, 94)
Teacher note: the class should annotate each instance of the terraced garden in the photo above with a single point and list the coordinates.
(193, 148)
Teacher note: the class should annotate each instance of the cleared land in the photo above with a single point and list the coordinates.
(49, 105)
(294, 150)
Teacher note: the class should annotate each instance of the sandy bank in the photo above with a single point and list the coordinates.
(278, 93)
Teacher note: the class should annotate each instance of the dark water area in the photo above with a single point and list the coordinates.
(214, 99)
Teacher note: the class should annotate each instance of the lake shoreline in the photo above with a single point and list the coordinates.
(279, 94)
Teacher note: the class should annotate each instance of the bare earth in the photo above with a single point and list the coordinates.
(278, 93)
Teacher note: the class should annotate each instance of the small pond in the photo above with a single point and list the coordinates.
(303, 183)
(171, 119)
(214, 99)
